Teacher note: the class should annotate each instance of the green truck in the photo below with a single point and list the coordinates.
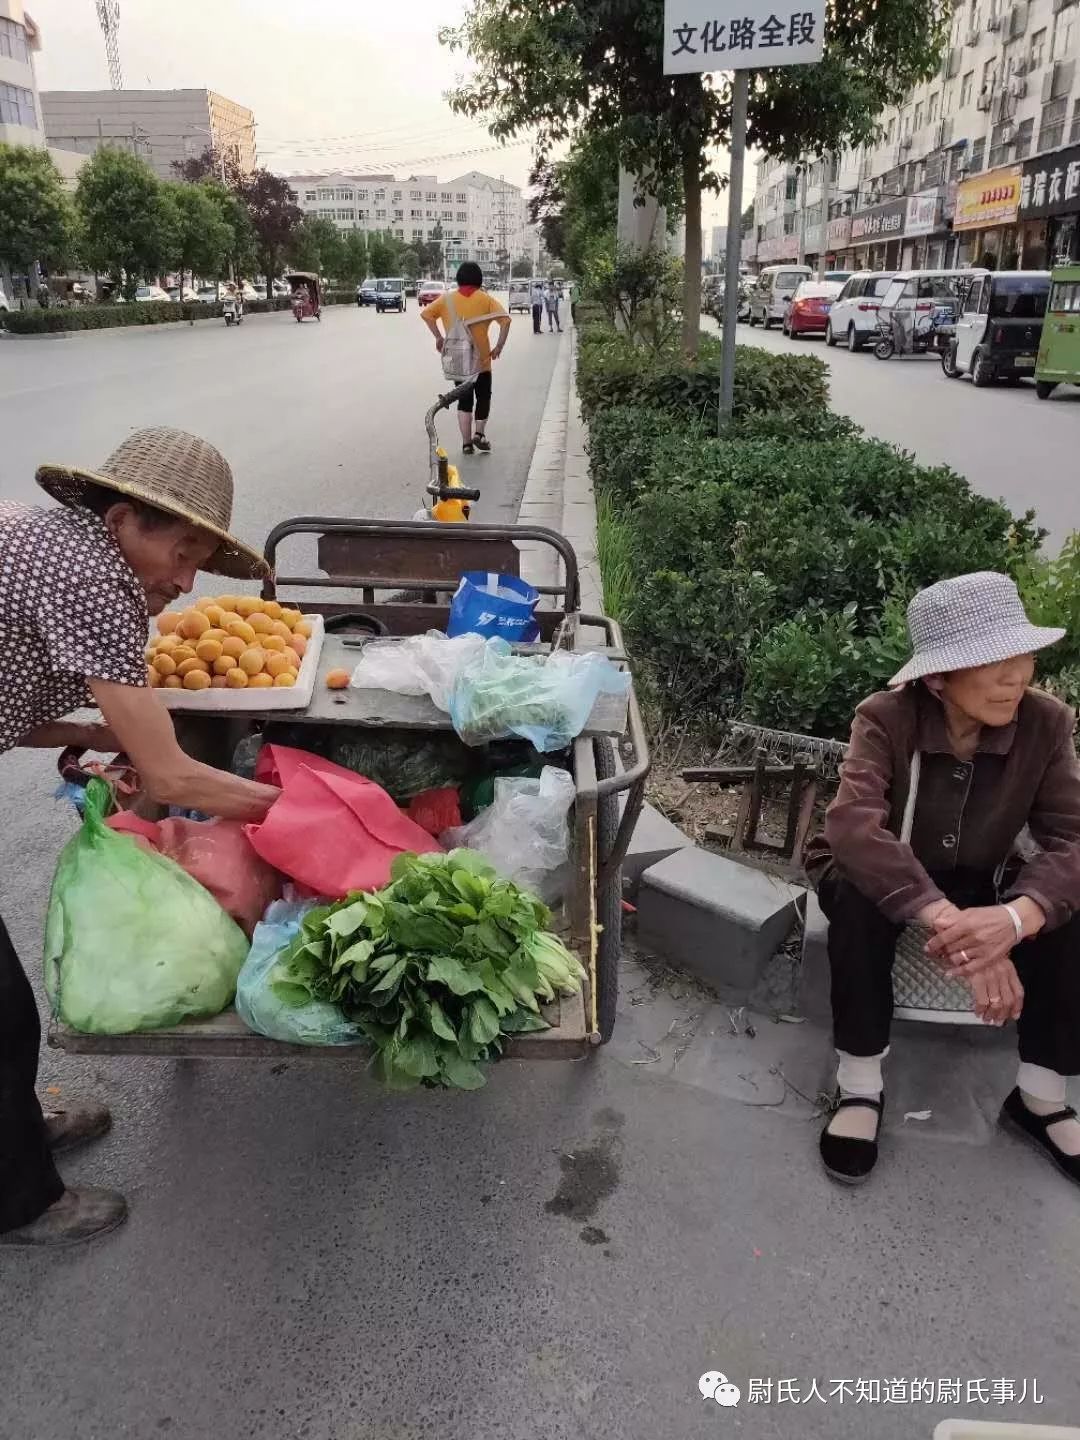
(1059, 349)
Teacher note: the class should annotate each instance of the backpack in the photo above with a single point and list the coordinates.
(460, 360)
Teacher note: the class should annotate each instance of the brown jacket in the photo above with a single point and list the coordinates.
(968, 813)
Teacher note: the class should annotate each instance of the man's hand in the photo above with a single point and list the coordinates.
(439, 343)
(997, 993)
(973, 940)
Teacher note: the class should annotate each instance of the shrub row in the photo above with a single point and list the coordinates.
(770, 569)
(152, 312)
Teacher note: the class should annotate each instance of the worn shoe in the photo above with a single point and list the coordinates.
(68, 1128)
(483, 444)
(78, 1215)
(467, 447)
(1016, 1116)
(845, 1157)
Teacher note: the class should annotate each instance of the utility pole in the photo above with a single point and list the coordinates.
(831, 162)
(800, 192)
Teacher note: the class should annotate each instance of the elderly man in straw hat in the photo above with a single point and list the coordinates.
(943, 773)
(78, 583)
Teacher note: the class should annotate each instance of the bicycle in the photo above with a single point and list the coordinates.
(446, 500)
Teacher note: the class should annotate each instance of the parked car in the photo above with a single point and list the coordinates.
(365, 293)
(853, 318)
(281, 289)
(188, 293)
(840, 275)
(389, 294)
(5, 303)
(248, 291)
(999, 328)
(808, 313)
(429, 291)
(772, 292)
(208, 294)
(146, 293)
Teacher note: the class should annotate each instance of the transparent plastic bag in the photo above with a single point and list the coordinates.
(132, 942)
(546, 701)
(421, 665)
(262, 1009)
(524, 832)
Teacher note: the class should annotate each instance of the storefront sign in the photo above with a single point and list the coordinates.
(988, 200)
(839, 232)
(884, 222)
(702, 35)
(1050, 185)
(923, 214)
(784, 248)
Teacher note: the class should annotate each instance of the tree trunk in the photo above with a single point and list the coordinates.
(691, 164)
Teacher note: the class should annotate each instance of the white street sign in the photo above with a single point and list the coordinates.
(702, 35)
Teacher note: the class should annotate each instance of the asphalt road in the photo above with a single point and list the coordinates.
(1010, 445)
(557, 1257)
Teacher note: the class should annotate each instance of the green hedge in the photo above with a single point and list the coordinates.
(153, 312)
(614, 370)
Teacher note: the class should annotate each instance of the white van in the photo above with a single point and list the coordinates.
(771, 293)
(520, 295)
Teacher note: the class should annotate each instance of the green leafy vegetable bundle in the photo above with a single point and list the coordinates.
(436, 968)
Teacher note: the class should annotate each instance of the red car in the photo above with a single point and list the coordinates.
(808, 312)
(429, 291)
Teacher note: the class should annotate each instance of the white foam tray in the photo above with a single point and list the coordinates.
(232, 702)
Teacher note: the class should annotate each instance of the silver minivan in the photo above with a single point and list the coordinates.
(772, 291)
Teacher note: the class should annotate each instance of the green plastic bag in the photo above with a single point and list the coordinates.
(132, 942)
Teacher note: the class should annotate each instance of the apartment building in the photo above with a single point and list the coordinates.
(163, 126)
(478, 216)
(20, 108)
(983, 160)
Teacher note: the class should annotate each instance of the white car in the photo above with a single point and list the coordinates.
(5, 303)
(853, 319)
(189, 293)
(208, 295)
(147, 293)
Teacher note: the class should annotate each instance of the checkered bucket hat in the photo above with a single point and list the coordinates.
(970, 620)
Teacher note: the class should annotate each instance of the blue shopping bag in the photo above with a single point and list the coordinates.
(489, 604)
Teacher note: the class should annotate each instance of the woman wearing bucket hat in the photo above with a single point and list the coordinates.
(960, 757)
(78, 584)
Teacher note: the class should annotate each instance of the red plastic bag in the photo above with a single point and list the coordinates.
(331, 831)
(217, 854)
(436, 810)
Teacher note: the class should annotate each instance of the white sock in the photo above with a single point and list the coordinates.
(1040, 1083)
(860, 1074)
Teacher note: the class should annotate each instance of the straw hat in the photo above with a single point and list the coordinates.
(971, 620)
(175, 472)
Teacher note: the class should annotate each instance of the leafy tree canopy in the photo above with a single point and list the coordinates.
(36, 218)
(128, 219)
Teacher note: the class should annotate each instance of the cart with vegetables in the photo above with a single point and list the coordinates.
(363, 582)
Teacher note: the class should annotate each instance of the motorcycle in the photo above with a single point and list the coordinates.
(232, 307)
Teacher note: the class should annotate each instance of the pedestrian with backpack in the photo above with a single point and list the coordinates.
(467, 315)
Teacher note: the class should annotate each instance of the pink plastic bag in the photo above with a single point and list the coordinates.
(331, 831)
(218, 855)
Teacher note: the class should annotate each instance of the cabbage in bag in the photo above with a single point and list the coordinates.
(132, 942)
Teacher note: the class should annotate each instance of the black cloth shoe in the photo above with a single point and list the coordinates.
(1016, 1115)
(467, 447)
(67, 1128)
(845, 1157)
(483, 444)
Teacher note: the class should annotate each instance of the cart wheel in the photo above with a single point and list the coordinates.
(609, 901)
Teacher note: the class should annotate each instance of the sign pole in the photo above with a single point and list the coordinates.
(740, 91)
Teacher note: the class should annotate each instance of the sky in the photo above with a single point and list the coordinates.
(338, 85)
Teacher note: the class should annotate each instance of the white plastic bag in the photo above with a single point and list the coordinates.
(525, 832)
(421, 665)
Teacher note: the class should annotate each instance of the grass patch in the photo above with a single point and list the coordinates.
(614, 550)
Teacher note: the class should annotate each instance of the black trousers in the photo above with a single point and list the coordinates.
(862, 948)
(537, 310)
(481, 392)
(29, 1182)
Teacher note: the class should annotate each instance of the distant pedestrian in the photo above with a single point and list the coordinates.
(536, 300)
(551, 305)
(575, 291)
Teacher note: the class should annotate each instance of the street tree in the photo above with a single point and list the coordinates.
(521, 268)
(202, 237)
(127, 218)
(430, 252)
(36, 219)
(410, 263)
(240, 252)
(212, 164)
(274, 217)
(384, 251)
(354, 260)
(317, 245)
(575, 201)
(558, 67)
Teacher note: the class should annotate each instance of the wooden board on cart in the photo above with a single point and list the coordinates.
(227, 1037)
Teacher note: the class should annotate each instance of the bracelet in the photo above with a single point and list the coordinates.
(1014, 916)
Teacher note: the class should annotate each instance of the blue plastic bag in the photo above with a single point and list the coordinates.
(494, 606)
(545, 700)
(262, 1010)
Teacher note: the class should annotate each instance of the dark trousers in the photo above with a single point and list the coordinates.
(537, 310)
(862, 948)
(573, 312)
(481, 392)
(29, 1182)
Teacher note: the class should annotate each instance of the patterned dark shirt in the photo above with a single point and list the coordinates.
(71, 610)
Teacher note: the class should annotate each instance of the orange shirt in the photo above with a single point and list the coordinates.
(477, 304)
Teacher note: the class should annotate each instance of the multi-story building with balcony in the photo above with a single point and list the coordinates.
(981, 161)
(20, 107)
